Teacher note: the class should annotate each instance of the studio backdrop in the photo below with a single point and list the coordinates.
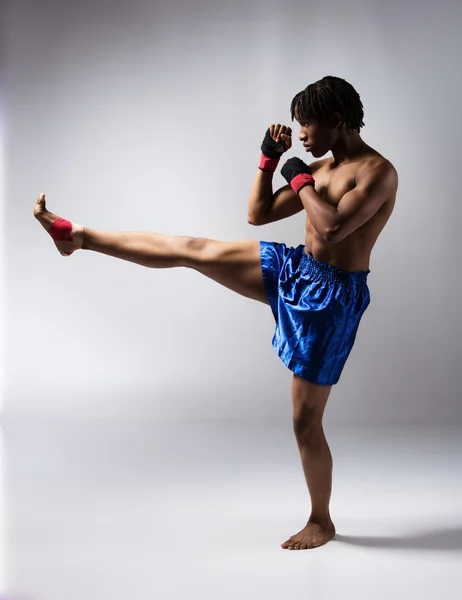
(148, 115)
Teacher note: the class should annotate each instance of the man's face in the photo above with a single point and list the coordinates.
(317, 138)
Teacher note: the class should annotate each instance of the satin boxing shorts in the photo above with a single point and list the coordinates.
(317, 309)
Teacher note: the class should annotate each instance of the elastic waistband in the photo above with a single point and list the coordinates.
(310, 265)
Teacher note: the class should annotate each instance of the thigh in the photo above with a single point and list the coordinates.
(309, 401)
(235, 265)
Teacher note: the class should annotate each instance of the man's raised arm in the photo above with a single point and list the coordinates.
(277, 140)
(264, 206)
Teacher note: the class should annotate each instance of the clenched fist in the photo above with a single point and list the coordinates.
(278, 139)
(297, 174)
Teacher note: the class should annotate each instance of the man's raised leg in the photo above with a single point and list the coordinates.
(235, 265)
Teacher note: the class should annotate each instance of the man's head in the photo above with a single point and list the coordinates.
(325, 110)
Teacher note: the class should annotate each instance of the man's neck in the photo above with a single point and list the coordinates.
(348, 147)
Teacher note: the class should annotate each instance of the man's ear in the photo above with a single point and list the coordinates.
(336, 120)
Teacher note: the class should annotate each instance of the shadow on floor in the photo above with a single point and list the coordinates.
(433, 539)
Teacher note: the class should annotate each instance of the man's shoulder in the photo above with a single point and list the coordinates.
(377, 161)
(374, 162)
(377, 167)
(378, 171)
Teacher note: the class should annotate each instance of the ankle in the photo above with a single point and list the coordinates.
(85, 239)
(322, 519)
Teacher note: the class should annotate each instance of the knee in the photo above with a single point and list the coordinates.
(307, 424)
(194, 245)
(196, 251)
(200, 249)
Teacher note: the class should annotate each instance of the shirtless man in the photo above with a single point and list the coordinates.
(317, 291)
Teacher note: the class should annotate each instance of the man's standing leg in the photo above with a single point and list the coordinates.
(309, 402)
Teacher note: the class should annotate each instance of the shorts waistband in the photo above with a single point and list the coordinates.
(310, 265)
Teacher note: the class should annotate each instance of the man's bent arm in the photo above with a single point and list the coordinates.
(321, 214)
(374, 187)
(261, 196)
(265, 207)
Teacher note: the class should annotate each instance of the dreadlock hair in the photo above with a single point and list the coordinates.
(324, 97)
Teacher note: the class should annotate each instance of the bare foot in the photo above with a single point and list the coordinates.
(67, 236)
(311, 536)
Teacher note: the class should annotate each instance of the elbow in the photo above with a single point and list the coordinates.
(333, 236)
(252, 221)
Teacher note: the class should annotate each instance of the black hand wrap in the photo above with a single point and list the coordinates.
(297, 174)
(269, 146)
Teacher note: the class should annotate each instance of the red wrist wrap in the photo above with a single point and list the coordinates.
(268, 164)
(299, 181)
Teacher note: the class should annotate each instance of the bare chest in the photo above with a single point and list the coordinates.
(332, 185)
(352, 253)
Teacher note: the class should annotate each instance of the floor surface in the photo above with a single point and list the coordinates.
(96, 510)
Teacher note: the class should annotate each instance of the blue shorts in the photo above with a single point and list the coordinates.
(317, 309)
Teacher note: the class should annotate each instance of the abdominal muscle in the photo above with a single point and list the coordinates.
(352, 253)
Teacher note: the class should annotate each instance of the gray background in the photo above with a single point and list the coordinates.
(150, 116)
(146, 443)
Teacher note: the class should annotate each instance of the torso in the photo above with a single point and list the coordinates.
(353, 252)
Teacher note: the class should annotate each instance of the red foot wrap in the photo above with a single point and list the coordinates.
(61, 230)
